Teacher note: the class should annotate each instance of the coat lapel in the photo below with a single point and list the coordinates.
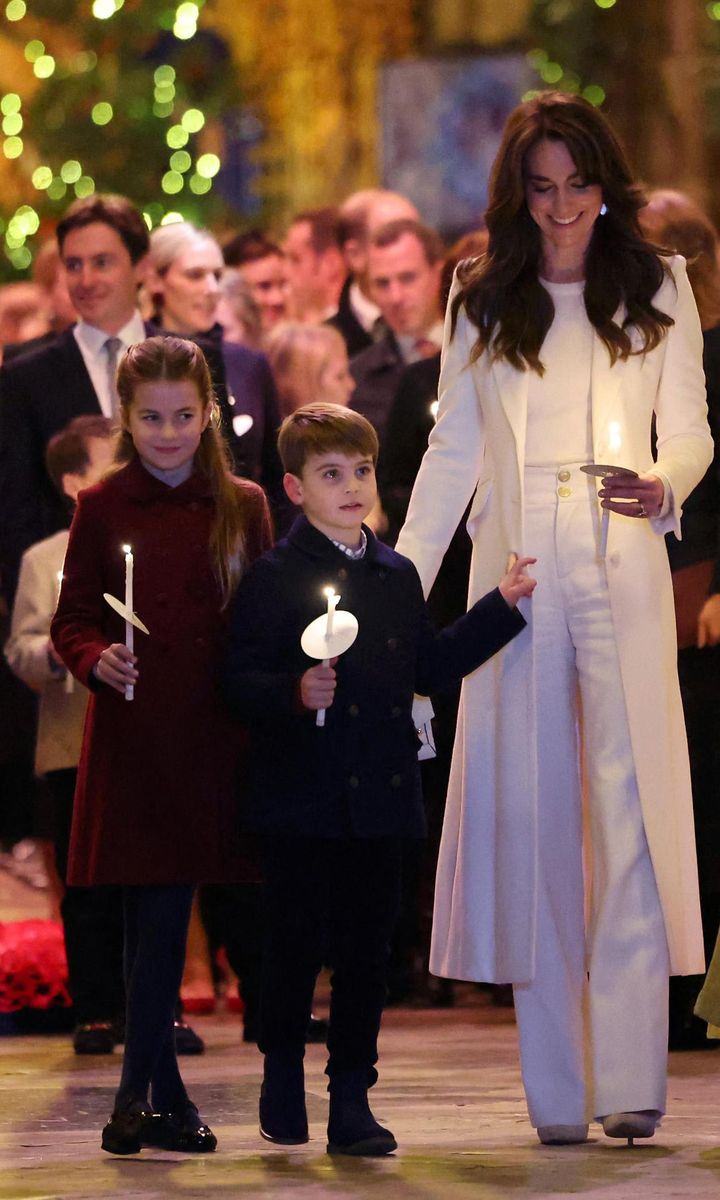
(512, 386)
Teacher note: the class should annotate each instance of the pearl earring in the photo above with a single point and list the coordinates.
(603, 209)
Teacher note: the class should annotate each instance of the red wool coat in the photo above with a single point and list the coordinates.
(156, 798)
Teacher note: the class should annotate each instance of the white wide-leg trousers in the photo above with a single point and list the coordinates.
(593, 1022)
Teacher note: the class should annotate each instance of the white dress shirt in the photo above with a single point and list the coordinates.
(91, 342)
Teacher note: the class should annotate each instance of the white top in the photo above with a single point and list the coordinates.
(91, 342)
(559, 414)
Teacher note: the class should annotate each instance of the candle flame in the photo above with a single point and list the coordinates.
(329, 592)
(59, 576)
(127, 549)
(434, 409)
(614, 437)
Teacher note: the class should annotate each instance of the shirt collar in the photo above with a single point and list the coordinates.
(407, 342)
(365, 310)
(92, 339)
(350, 553)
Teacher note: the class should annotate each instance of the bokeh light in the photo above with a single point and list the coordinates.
(193, 120)
(207, 166)
(102, 113)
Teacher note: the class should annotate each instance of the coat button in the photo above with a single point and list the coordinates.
(193, 506)
(354, 781)
(353, 710)
(392, 643)
(563, 476)
(396, 781)
(395, 710)
(342, 573)
(564, 492)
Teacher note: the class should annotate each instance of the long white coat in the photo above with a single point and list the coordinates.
(484, 925)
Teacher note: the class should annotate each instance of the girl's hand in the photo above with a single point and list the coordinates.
(317, 686)
(517, 583)
(709, 623)
(115, 667)
(647, 492)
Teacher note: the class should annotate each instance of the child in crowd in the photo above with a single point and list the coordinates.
(335, 803)
(155, 801)
(76, 458)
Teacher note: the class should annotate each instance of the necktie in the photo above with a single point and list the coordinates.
(113, 346)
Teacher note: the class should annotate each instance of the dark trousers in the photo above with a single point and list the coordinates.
(156, 925)
(92, 921)
(335, 901)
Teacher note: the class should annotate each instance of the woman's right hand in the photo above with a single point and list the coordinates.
(115, 667)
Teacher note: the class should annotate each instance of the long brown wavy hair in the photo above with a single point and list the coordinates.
(502, 292)
(177, 360)
(674, 220)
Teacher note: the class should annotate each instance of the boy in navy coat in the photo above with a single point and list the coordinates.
(334, 803)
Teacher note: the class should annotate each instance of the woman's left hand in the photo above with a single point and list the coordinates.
(647, 492)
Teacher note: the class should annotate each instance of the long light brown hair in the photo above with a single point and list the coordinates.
(674, 220)
(502, 292)
(177, 360)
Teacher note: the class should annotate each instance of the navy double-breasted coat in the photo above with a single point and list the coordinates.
(358, 775)
(156, 798)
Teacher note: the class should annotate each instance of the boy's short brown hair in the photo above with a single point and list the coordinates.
(318, 428)
(67, 451)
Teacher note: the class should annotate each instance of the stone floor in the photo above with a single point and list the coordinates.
(449, 1088)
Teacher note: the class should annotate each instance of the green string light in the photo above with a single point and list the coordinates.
(102, 113)
(15, 10)
(13, 147)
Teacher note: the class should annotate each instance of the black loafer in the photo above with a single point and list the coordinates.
(123, 1133)
(187, 1041)
(181, 1129)
(95, 1037)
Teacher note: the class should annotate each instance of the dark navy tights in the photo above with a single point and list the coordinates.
(156, 925)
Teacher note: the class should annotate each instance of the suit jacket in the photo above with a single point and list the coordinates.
(356, 336)
(39, 394)
(409, 426)
(359, 773)
(62, 711)
(700, 522)
(157, 779)
(377, 372)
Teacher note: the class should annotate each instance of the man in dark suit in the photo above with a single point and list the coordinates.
(405, 262)
(358, 317)
(103, 244)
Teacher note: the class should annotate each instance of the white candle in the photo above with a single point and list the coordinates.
(332, 603)
(332, 599)
(129, 632)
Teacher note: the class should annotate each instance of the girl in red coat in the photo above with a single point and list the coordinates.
(155, 808)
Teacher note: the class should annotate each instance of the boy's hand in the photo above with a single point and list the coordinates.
(517, 583)
(115, 667)
(317, 686)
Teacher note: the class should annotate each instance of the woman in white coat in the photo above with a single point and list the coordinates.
(560, 344)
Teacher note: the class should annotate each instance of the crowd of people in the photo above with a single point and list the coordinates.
(247, 423)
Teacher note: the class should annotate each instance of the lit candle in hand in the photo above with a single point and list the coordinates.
(129, 633)
(332, 603)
